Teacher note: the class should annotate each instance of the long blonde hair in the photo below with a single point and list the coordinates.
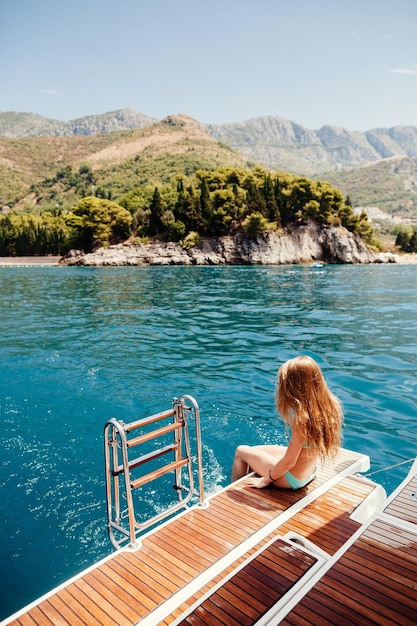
(306, 404)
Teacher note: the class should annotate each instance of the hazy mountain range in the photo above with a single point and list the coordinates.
(15, 125)
(273, 141)
(377, 167)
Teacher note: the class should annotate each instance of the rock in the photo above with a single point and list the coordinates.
(341, 246)
(305, 244)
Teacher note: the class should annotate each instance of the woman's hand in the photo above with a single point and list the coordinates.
(260, 482)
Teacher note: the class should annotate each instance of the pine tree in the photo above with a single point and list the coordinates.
(156, 226)
(272, 212)
(187, 209)
(255, 202)
(205, 202)
(280, 200)
(402, 240)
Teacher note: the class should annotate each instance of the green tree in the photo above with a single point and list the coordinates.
(96, 222)
(413, 241)
(175, 230)
(156, 209)
(33, 234)
(205, 202)
(219, 223)
(255, 224)
(187, 209)
(272, 211)
(255, 202)
(280, 201)
(402, 240)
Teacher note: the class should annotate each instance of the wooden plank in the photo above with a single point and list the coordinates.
(226, 518)
(63, 609)
(141, 569)
(403, 506)
(154, 434)
(234, 605)
(256, 502)
(226, 502)
(150, 456)
(202, 543)
(328, 530)
(314, 525)
(37, 617)
(105, 598)
(372, 583)
(243, 603)
(211, 612)
(137, 599)
(224, 537)
(155, 556)
(319, 610)
(177, 565)
(26, 620)
(80, 607)
(124, 589)
(148, 420)
(137, 587)
(80, 591)
(139, 482)
(199, 560)
(392, 596)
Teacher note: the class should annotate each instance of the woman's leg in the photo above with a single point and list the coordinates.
(255, 458)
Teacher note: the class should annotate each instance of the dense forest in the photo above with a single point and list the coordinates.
(184, 208)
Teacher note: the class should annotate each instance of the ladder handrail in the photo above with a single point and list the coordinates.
(118, 466)
(196, 410)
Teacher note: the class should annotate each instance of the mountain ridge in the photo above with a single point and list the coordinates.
(272, 141)
(15, 125)
(275, 142)
(376, 168)
(34, 169)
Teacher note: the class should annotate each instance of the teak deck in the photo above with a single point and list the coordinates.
(375, 580)
(230, 563)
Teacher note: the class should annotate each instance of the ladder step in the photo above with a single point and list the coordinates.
(154, 434)
(155, 454)
(148, 420)
(158, 473)
(119, 528)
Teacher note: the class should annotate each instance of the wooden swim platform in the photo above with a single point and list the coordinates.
(204, 557)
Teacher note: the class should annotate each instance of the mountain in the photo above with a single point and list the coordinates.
(274, 142)
(277, 143)
(389, 184)
(14, 125)
(39, 170)
(375, 168)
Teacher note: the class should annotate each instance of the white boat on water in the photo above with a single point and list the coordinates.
(334, 552)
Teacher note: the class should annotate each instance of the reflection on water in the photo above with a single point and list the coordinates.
(80, 345)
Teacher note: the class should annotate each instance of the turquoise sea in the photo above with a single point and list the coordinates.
(81, 345)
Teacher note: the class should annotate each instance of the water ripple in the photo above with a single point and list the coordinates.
(80, 345)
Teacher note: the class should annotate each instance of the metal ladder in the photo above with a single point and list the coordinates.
(119, 444)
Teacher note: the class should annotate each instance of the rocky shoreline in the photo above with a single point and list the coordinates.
(304, 245)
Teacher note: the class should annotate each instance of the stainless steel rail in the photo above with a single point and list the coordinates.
(174, 454)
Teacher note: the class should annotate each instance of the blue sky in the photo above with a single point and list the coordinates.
(351, 63)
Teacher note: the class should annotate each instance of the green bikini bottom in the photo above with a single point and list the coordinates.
(297, 483)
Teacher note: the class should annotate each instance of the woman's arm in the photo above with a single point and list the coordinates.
(286, 463)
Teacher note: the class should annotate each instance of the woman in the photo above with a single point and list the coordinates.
(315, 418)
